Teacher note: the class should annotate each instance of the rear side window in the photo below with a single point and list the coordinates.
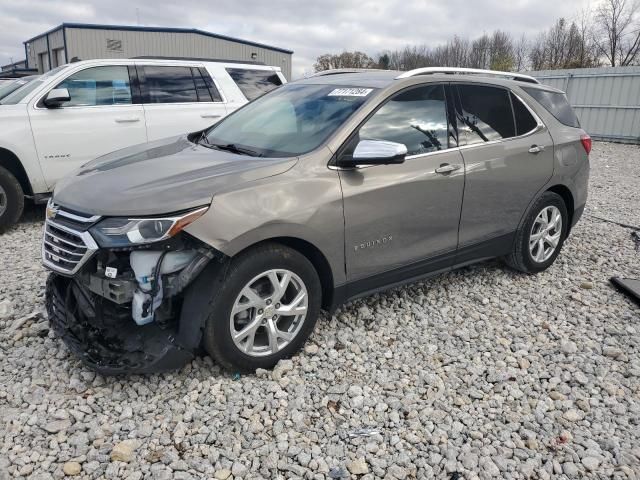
(201, 75)
(524, 120)
(168, 85)
(416, 118)
(486, 114)
(254, 83)
(557, 105)
(107, 85)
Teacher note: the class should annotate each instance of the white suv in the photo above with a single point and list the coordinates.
(83, 110)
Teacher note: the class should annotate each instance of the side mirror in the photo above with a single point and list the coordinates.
(56, 97)
(376, 152)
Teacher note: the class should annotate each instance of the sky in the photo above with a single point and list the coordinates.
(308, 28)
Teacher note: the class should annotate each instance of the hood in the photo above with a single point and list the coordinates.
(160, 177)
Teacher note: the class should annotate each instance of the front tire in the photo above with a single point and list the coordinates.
(264, 310)
(541, 236)
(11, 200)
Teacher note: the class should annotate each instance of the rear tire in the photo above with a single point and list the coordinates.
(545, 224)
(11, 200)
(263, 309)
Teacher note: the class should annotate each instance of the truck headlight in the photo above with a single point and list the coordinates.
(122, 232)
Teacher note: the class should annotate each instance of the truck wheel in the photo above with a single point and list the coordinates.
(541, 236)
(264, 309)
(11, 200)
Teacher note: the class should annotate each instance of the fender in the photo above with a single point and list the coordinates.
(16, 138)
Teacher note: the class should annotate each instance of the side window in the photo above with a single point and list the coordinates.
(107, 85)
(524, 120)
(168, 85)
(254, 83)
(557, 104)
(202, 74)
(486, 114)
(417, 118)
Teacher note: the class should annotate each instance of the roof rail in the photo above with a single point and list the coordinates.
(195, 59)
(467, 71)
(336, 71)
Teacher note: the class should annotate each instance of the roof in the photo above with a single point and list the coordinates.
(133, 28)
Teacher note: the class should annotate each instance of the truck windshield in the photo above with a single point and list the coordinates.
(17, 96)
(290, 121)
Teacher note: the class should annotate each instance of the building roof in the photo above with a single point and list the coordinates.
(133, 28)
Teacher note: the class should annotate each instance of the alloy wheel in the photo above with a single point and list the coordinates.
(546, 232)
(269, 312)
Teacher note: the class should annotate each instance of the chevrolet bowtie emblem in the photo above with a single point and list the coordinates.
(52, 211)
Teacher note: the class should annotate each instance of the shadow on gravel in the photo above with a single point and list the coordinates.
(32, 213)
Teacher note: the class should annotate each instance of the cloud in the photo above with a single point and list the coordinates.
(308, 28)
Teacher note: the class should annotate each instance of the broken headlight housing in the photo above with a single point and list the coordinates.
(116, 232)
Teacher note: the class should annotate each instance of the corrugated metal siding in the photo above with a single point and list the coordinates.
(92, 43)
(606, 100)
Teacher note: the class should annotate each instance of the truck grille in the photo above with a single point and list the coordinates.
(66, 249)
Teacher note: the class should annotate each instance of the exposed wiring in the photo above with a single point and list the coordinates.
(635, 234)
(623, 225)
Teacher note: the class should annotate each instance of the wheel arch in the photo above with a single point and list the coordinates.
(12, 163)
(568, 199)
(315, 256)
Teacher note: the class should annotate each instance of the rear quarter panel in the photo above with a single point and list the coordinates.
(571, 162)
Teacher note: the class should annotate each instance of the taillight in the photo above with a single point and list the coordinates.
(586, 143)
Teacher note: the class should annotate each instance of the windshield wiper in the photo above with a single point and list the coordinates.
(203, 140)
(232, 147)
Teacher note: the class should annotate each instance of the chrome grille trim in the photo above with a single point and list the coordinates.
(65, 250)
(72, 216)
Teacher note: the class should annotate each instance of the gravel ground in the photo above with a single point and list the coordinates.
(476, 374)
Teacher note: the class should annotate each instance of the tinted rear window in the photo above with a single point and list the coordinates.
(557, 105)
(168, 85)
(486, 113)
(254, 83)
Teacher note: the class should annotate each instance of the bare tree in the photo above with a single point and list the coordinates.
(618, 34)
(520, 51)
(343, 60)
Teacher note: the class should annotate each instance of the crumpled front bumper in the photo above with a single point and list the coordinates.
(106, 339)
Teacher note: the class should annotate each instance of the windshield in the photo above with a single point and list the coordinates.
(290, 121)
(10, 87)
(24, 90)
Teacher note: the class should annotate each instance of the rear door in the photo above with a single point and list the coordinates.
(506, 162)
(179, 99)
(402, 220)
(103, 115)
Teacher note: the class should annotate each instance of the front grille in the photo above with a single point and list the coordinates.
(65, 249)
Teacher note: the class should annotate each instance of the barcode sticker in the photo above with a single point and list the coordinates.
(350, 92)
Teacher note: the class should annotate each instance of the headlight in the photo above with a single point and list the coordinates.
(123, 232)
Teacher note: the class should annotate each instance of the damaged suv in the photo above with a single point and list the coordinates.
(233, 239)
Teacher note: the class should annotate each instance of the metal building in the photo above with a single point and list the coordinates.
(606, 100)
(70, 41)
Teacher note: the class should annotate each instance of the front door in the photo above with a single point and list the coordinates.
(178, 100)
(403, 219)
(508, 158)
(100, 118)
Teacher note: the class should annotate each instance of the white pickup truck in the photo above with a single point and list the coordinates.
(80, 111)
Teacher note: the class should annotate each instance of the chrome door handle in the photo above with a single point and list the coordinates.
(127, 119)
(447, 168)
(205, 115)
(536, 149)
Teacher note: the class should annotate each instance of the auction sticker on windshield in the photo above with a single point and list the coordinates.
(350, 92)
